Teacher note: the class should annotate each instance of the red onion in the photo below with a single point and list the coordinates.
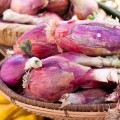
(91, 96)
(83, 8)
(4, 4)
(13, 69)
(41, 38)
(89, 37)
(58, 6)
(60, 76)
(30, 7)
(52, 80)
(88, 60)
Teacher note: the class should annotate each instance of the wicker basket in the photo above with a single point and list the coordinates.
(9, 33)
(52, 110)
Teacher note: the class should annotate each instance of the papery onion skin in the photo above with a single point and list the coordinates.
(12, 70)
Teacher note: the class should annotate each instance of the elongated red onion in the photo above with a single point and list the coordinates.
(52, 80)
(88, 37)
(12, 70)
(30, 7)
(91, 96)
(4, 4)
(40, 37)
(111, 61)
(58, 6)
(57, 77)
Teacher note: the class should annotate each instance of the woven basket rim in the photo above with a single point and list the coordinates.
(56, 106)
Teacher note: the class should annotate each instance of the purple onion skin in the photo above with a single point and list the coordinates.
(88, 37)
(13, 69)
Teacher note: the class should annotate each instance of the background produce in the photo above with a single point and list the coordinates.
(83, 8)
(66, 9)
(30, 7)
(58, 6)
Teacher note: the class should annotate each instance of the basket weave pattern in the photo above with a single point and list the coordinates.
(9, 33)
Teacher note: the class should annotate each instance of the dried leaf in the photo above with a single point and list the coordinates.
(26, 47)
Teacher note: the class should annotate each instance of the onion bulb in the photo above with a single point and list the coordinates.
(30, 7)
(13, 69)
(58, 6)
(83, 8)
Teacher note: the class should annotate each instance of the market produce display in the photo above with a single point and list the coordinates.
(71, 56)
